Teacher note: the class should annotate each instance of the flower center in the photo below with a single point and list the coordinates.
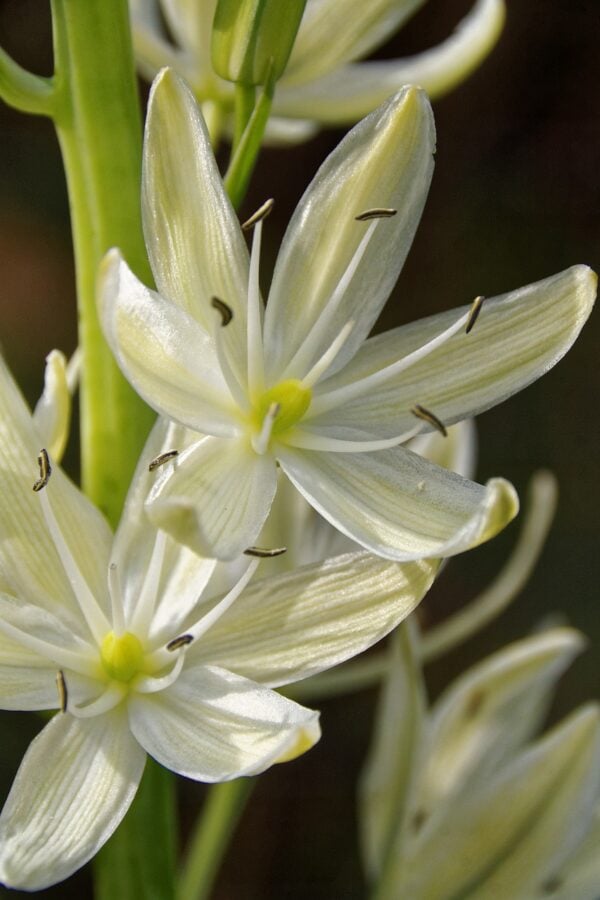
(122, 657)
(292, 399)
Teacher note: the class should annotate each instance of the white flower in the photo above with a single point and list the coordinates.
(297, 383)
(125, 638)
(324, 83)
(461, 800)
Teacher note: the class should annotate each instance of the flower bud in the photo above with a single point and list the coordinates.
(252, 39)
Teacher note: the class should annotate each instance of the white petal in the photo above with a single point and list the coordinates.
(457, 451)
(215, 497)
(397, 504)
(29, 565)
(52, 414)
(287, 627)
(194, 240)
(168, 358)
(345, 95)
(580, 878)
(212, 725)
(517, 338)
(74, 786)
(385, 161)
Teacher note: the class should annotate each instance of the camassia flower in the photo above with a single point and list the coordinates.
(324, 83)
(126, 638)
(299, 384)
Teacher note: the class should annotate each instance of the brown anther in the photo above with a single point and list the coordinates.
(265, 552)
(474, 704)
(378, 212)
(552, 885)
(422, 413)
(162, 459)
(222, 308)
(45, 470)
(260, 214)
(182, 641)
(61, 687)
(474, 313)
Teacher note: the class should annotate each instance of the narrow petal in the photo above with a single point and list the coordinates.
(215, 497)
(288, 627)
(385, 161)
(194, 240)
(212, 725)
(344, 95)
(397, 504)
(517, 338)
(170, 361)
(29, 565)
(74, 786)
(52, 414)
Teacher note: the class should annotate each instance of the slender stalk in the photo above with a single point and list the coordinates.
(245, 98)
(223, 808)
(97, 118)
(23, 90)
(246, 149)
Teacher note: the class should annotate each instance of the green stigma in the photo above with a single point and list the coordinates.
(122, 657)
(292, 398)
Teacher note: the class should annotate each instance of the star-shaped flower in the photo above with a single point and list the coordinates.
(126, 637)
(324, 83)
(299, 384)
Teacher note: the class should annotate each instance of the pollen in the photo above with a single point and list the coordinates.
(123, 656)
(292, 399)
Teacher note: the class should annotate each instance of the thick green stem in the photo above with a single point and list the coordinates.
(224, 806)
(98, 123)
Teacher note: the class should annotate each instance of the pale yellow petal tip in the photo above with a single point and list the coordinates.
(52, 414)
(502, 507)
(304, 739)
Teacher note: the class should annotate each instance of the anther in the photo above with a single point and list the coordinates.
(162, 459)
(260, 214)
(224, 309)
(422, 413)
(264, 552)
(474, 313)
(61, 687)
(45, 470)
(378, 212)
(182, 641)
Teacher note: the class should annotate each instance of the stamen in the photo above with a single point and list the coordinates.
(265, 552)
(60, 656)
(237, 392)
(162, 458)
(261, 441)
(378, 212)
(61, 687)
(422, 413)
(261, 213)
(182, 641)
(116, 600)
(321, 366)
(111, 697)
(143, 611)
(93, 614)
(149, 684)
(208, 620)
(256, 365)
(225, 310)
(45, 470)
(339, 396)
(474, 313)
(309, 441)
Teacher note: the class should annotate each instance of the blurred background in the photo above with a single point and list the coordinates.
(515, 198)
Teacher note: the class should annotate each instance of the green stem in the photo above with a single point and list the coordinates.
(22, 89)
(246, 150)
(245, 98)
(98, 123)
(223, 808)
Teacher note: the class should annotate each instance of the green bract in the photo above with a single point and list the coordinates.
(337, 436)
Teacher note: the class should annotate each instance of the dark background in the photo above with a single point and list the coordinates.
(515, 198)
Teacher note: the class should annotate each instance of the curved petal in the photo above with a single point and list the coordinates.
(163, 352)
(74, 786)
(194, 239)
(457, 451)
(333, 32)
(397, 504)
(385, 161)
(343, 96)
(291, 626)
(215, 497)
(212, 725)
(29, 565)
(517, 338)
(52, 413)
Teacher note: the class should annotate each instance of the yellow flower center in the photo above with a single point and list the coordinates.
(292, 398)
(122, 657)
